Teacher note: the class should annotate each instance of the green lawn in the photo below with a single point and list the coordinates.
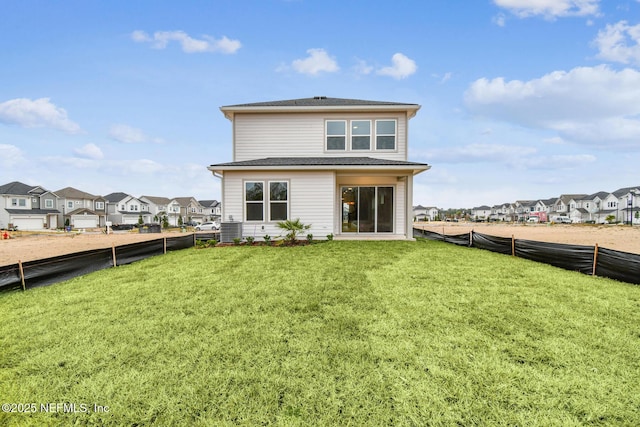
(337, 333)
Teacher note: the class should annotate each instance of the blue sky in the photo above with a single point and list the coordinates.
(521, 99)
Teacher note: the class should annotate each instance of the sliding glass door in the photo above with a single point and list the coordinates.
(367, 209)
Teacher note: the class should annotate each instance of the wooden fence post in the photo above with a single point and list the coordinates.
(595, 260)
(513, 246)
(113, 253)
(165, 245)
(24, 288)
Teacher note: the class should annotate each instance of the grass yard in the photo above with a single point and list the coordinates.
(338, 333)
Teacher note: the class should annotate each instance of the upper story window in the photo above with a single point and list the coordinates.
(385, 134)
(70, 204)
(100, 205)
(363, 135)
(336, 134)
(19, 202)
(48, 203)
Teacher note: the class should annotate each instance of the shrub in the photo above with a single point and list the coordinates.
(250, 240)
(330, 237)
(237, 240)
(310, 238)
(294, 228)
(267, 239)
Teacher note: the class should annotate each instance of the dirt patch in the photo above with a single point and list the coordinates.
(25, 246)
(618, 237)
(28, 247)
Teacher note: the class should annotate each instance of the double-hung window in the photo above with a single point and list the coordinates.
(278, 200)
(270, 203)
(48, 203)
(361, 135)
(336, 134)
(385, 134)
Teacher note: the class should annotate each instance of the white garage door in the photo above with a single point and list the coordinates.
(29, 223)
(82, 222)
(129, 220)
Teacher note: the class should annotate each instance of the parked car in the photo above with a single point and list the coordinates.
(207, 226)
(563, 220)
(191, 223)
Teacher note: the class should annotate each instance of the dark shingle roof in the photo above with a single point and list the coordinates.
(17, 188)
(318, 101)
(31, 211)
(318, 161)
(115, 197)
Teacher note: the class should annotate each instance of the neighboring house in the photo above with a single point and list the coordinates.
(27, 207)
(503, 212)
(523, 209)
(83, 210)
(125, 209)
(420, 213)
(212, 210)
(628, 204)
(157, 207)
(339, 165)
(190, 209)
(481, 213)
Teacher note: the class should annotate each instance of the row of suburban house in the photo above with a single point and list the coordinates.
(620, 206)
(28, 207)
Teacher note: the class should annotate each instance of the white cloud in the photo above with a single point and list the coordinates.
(619, 42)
(318, 61)
(500, 20)
(89, 151)
(39, 113)
(10, 155)
(402, 67)
(362, 68)
(161, 39)
(550, 9)
(594, 105)
(130, 135)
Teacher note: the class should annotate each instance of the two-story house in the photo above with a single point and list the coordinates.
(628, 204)
(125, 209)
(212, 210)
(157, 207)
(27, 207)
(190, 209)
(80, 209)
(339, 165)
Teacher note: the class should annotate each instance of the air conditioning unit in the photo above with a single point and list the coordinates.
(230, 231)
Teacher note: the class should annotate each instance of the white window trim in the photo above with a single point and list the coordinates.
(373, 136)
(278, 201)
(245, 201)
(266, 200)
(326, 136)
(376, 134)
(360, 150)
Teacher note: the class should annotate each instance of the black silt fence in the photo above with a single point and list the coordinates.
(622, 266)
(32, 274)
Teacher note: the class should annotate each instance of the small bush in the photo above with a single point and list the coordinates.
(310, 238)
(250, 240)
(237, 240)
(267, 239)
(330, 237)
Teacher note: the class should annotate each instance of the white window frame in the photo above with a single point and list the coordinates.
(353, 135)
(48, 204)
(99, 205)
(279, 202)
(327, 135)
(266, 201)
(255, 202)
(395, 134)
